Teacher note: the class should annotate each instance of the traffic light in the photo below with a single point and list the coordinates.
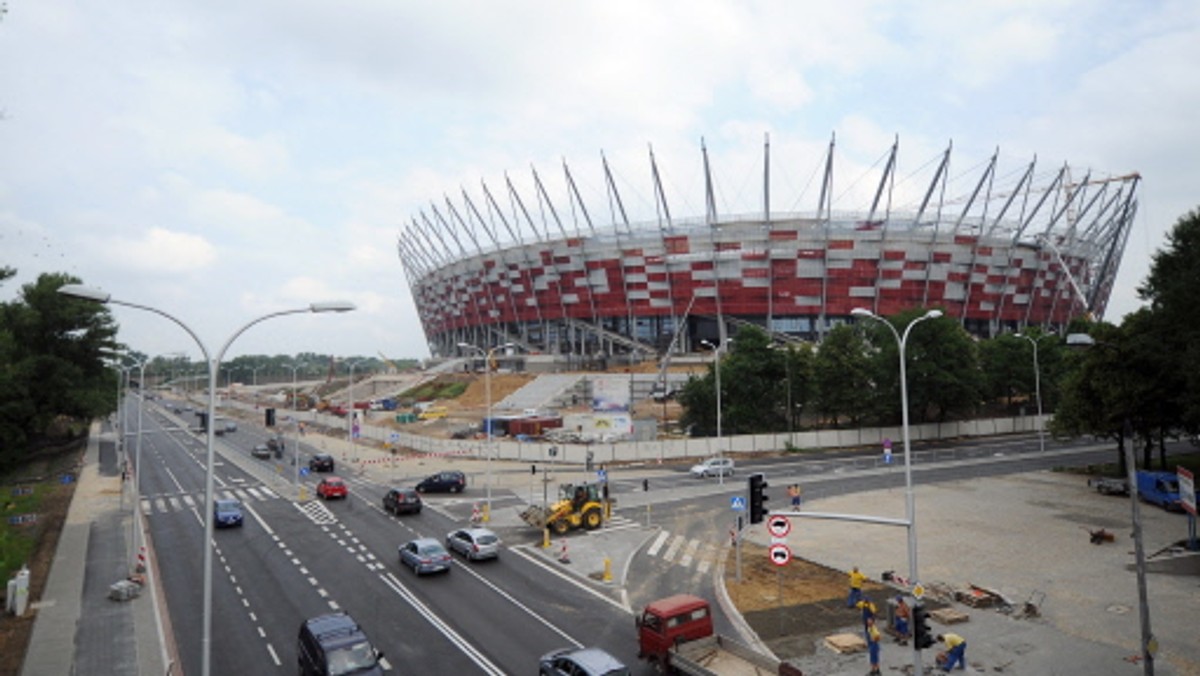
(758, 510)
(922, 635)
(270, 417)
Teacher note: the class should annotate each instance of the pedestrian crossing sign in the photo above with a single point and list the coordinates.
(737, 503)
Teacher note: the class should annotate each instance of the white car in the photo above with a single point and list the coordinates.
(713, 467)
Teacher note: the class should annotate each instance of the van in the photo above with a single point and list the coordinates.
(334, 645)
(668, 622)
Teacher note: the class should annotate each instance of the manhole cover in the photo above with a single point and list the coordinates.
(1118, 609)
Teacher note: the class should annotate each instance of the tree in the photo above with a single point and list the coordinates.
(842, 376)
(52, 363)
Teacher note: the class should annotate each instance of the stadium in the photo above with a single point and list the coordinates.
(999, 250)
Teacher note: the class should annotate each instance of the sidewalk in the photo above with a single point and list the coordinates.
(109, 637)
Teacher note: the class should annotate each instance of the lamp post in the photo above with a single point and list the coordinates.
(717, 367)
(910, 502)
(1037, 385)
(295, 411)
(487, 378)
(1149, 645)
(99, 296)
(353, 412)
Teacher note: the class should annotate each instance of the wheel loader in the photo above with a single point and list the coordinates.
(579, 505)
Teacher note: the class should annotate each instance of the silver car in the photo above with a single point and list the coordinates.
(713, 467)
(474, 543)
(425, 555)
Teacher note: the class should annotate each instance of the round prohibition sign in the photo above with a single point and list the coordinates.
(779, 526)
(780, 554)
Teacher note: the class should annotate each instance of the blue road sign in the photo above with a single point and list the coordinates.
(737, 503)
(602, 475)
(303, 471)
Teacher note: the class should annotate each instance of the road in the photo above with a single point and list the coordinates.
(293, 560)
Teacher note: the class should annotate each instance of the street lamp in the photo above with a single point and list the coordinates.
(351, 414)
(88, 293)
(910, 502)
(295, 411)
(1037, 384)
(717, 366)
(1149, 643)
(487, 378)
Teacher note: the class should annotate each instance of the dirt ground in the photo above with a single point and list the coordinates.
(813, 600)
(15, 631)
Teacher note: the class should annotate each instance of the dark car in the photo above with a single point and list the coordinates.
(227, 513)
(581, 662)
(402, 501)
(443, 482)
(333, 645)
(321, 462)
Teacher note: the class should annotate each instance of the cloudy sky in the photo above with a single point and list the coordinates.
(221, 160)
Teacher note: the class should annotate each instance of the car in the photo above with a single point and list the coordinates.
(443, 482)
(223, 426)
(581, 662)
(425, 555)
(713, 467)
(335, 644)
(402, 501)
(332, 487)
(275, 444)
(227, 513)
(230, 426)
(321, 462)
(474, 543)
(260, 451)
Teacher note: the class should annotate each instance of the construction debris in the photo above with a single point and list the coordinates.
(846, 644)
(981, 597)
(949, 616)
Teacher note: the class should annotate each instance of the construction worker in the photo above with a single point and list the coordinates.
(873, 647)
(856, 585)
(868, 609)
(956, 651)
(901, 620)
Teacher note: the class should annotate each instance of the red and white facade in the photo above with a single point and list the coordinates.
(631, 286)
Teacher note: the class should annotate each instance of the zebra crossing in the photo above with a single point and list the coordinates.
(169, 503)
(683, 551)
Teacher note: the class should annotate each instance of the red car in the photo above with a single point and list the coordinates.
(332, 487)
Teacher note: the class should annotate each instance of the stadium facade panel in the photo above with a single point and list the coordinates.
(648, 286)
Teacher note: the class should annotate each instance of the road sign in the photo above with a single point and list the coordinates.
(602, 475)
(737, 503)
(780, 554)
(1187, 489)
(303, 471)
(918, 591)
(779, 526)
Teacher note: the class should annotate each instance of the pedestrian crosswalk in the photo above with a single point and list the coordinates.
(683, 551)
(169, 503)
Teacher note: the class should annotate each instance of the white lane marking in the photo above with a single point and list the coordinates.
(533, 558)
(672, 550)
(658, 543)
(189, 500)
(689, 553)
(271, 649)
(469, 650)
(520, 605)
(259, 519)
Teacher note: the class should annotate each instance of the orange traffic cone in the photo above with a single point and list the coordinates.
(563, 557)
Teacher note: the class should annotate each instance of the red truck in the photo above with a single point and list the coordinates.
(676, 635)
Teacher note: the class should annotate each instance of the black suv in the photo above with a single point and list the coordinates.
(402, 501)
(321, 462)
(335, 644)
(443, 482)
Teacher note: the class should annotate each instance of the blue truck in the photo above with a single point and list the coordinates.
(1160, 488)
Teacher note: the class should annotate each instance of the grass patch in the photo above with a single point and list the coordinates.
(17, 541)
(437, 388)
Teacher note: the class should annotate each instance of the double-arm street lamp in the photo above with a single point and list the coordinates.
(214, 364)
(910, 502)
(1037, 385)
(488, 423)
(717, 367)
